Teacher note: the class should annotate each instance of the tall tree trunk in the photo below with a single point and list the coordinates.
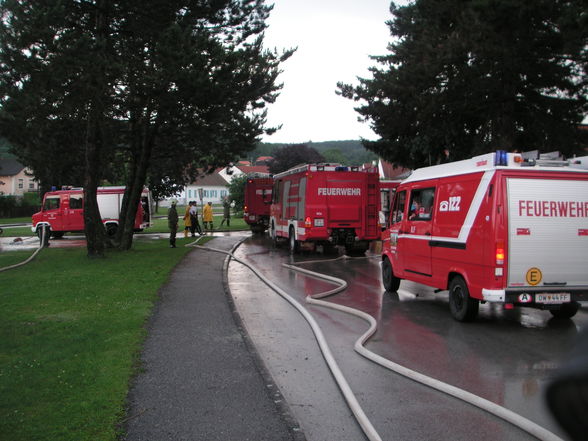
(135, 183)
(93, 227)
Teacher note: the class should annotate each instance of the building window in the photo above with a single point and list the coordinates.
(21, 183)
(31, 185)
(76, 202)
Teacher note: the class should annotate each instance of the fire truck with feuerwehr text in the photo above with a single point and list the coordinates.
(326, 205)
(505, 228)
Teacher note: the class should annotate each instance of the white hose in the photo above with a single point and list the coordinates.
(493, 408)
(352, 402)
(16, 265)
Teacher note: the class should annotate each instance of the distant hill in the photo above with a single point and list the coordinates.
(351, 152)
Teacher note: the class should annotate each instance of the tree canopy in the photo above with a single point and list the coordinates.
(237, 191)
(474, 76)
(133, 91)
(291, 155)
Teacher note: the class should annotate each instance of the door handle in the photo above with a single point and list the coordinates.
(427, 233)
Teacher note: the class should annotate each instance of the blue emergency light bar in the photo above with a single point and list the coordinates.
(341, 168)
(501, 158)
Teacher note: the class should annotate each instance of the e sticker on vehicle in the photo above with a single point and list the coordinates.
(534, 276)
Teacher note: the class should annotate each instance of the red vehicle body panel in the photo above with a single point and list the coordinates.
(258, 199)
(63, 210)
(326, 203)
(480, 221)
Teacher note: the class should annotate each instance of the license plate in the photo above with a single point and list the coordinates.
(552, 298)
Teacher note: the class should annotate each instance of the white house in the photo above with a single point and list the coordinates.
(214, 186)
(15, 178)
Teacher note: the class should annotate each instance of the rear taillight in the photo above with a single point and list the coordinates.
(308, 222)
(499, 253)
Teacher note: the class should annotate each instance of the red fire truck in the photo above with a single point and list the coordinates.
(501, 227)
(258, 198)
(326, 204)
(63, 211)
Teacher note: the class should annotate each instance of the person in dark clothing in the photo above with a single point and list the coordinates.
(194, 219)
(226, 212)
(172, 222)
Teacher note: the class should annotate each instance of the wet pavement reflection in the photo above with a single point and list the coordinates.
(504, 356)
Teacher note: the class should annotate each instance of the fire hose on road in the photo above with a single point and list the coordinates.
(31, 257)
(490, 407)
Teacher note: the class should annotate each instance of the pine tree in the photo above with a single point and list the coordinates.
(134, 82)
(474, 76)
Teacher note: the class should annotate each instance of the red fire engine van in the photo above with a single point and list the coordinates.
(326, 204)
(63, 211)
(501, 227)
(258, 198)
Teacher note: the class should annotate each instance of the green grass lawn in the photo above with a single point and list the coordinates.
(160, 225)
(71, 331)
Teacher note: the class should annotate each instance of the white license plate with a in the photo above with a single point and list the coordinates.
(552, 298)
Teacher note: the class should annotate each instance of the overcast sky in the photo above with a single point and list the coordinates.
(334, 40)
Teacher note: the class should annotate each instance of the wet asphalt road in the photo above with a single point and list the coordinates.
(504, 356)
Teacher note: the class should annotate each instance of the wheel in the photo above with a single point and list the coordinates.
(57, 234)
(567, 310)
(293, 243)
(463, 308)
(390, 281)
(111, 230)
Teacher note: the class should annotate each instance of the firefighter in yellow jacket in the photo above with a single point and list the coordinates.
(207, 216)
(187, 220)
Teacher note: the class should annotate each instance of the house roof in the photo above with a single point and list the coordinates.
(253, 168)
(211, 180)
(10, 167)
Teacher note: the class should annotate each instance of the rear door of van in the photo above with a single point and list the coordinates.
(547, 231)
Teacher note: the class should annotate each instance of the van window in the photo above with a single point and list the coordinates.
(276, 194)
(399, 205)
(75, 202)
(421, 204)
(286, 199)
(51, 203)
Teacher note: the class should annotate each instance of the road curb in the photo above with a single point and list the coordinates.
(271, 385)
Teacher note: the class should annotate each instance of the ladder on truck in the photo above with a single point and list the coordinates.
(372, 212)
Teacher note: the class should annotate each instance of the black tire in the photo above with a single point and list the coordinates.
(292, 242)
(463, 308)
(567, 310)
(111, 230)
(390, 281)
(57, 234)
